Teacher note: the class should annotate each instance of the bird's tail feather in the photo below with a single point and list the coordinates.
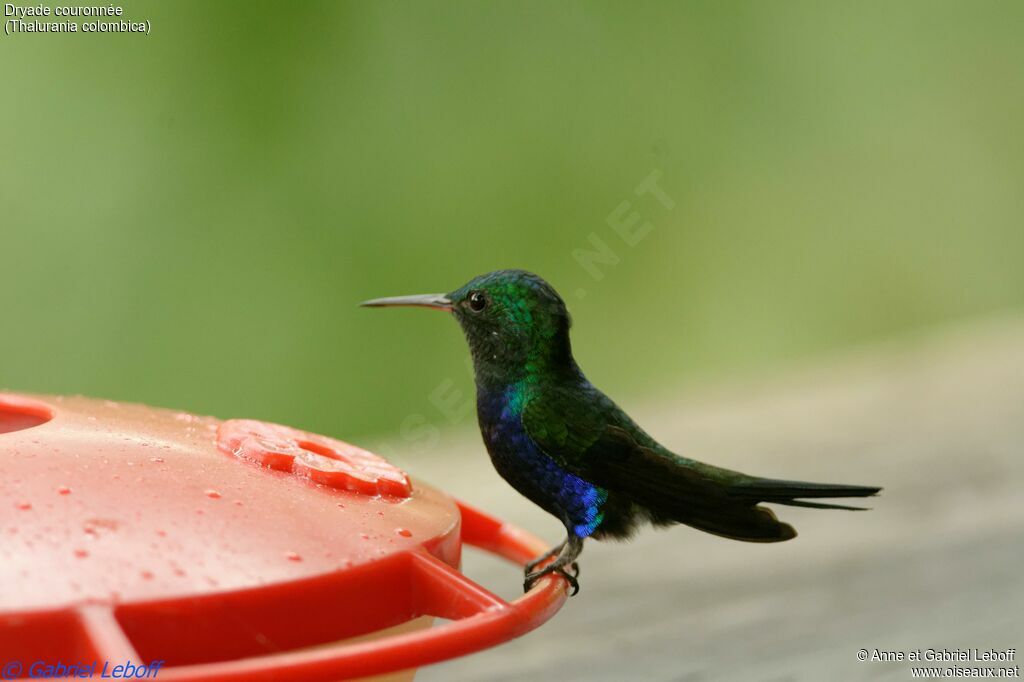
(747, 523)
(672, 489)
(793, 493)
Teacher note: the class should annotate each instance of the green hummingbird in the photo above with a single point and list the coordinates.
(568, 448)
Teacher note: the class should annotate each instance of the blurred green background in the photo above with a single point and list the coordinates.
(189, 218)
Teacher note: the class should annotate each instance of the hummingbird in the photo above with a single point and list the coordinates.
(569, 449)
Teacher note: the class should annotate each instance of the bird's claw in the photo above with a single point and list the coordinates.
(532, 578)
(530, 565)
(562, 557)
(553, 552)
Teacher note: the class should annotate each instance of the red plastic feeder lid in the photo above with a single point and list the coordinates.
(233, 550)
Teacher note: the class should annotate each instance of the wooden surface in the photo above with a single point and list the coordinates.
(939, 562)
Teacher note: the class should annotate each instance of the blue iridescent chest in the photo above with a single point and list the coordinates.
(575, 501)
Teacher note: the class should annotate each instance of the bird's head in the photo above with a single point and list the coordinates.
(515, 322)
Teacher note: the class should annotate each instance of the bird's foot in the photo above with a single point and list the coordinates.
(532, 577)
(566, 556)
(554, 551)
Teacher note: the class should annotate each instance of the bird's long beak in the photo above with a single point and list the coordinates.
(439, 301)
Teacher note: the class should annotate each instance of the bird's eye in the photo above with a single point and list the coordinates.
(477, 301)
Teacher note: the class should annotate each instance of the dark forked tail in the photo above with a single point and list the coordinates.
(793, 493)
(673, 489)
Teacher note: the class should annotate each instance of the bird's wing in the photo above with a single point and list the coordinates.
(581, 439)
(588, 438)
(564, 426)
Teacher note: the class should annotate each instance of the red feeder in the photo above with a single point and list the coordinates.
(234, 550)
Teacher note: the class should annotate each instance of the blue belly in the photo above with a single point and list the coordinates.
(575, 501)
